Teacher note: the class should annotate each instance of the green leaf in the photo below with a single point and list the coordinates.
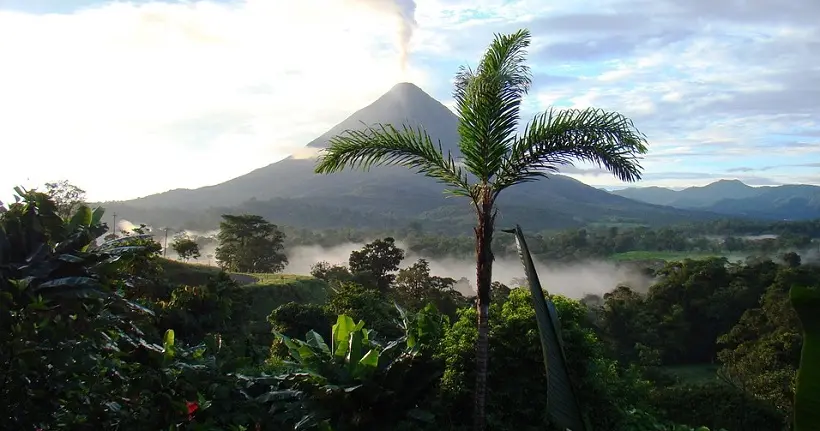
(562, 405)
(97, 216)
(71, 287)
(81, 218)
(411, 339)
(316, 341)
(806, 302)
(168, 340)
(341, 334)
(87, 282)
(370, 359)
(557, 138)
(168, 344)
(306, 352)
(387, 145)
(293, 346)
(70, 258)
(354, 351)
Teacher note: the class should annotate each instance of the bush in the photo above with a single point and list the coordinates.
(716, 405)
(296, 320)
(517, 384)
(368, 305)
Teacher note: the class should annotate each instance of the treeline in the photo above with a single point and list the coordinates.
(725, 237)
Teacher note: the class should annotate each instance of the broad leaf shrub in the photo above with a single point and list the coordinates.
(62, 327)
(354, 381)
(76, 354)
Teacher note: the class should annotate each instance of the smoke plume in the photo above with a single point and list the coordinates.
(405, 12)
(125, 226)
(305, 153)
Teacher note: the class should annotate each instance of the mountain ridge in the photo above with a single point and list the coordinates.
(733, 197)
(288, 190)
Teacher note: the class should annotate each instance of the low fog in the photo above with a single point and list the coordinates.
(574, 281)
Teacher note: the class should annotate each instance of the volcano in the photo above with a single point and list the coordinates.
(288, 191)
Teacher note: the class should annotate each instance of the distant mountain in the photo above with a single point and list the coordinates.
(288, 192)
(732, 197)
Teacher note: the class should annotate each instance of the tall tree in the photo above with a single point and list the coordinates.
(416, 287)
(494, 155)
(249, 243)
(380, 259)
(185, 247)
(66, 196)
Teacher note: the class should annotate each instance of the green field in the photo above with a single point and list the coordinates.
(265, 291)
(190, 274)
(272, 290)
(661, 255)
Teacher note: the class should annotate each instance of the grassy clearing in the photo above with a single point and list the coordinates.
(191, 274)
(265, 291)
(264, 279)
(661, 255)
(273, 290)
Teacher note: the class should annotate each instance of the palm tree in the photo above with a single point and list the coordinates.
(494, 155)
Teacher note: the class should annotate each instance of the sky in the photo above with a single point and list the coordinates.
(126, 99)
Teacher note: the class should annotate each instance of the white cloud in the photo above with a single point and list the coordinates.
(196, 93)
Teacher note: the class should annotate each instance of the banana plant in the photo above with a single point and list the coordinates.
(350, 345)
(563, 406)
(355, 381)
(806, 302)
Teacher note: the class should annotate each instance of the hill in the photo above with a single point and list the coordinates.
(734, 198)
(288, 192)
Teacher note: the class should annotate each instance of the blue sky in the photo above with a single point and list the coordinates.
(194, 93)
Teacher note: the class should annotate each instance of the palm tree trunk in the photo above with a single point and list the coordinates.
(484, 276)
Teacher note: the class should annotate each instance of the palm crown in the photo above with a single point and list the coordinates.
(488, 102)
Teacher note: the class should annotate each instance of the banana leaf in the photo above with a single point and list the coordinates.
(806, 302)
(562, 403)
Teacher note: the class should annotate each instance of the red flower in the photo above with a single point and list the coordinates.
(192, 407)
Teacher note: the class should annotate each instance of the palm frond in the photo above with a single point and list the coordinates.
(562, 402)
(385, 145)
(557, 138)
(488, 103)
